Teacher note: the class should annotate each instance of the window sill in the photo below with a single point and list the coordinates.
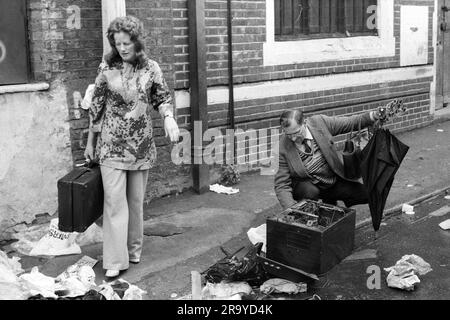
(332, 49)
(27, 87)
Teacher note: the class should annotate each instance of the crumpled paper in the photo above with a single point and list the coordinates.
(225, 290)
(403, 275)
(276, 285)
(222, 189)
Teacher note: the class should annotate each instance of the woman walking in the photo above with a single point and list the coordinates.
(127, 87)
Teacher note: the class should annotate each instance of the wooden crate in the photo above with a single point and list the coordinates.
(314, 249)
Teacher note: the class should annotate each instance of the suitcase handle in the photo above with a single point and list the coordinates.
(87, 164)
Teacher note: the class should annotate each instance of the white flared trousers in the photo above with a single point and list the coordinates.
(123, 216)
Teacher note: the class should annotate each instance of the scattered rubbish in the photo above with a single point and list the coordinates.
(383, 224)
(408, 209)
(445, 224)
(72, 287)
(403, 275)
(258, 234)
(362, 255)
(82, 269)
(92, 235)
(440, 130)
(173, 295)
(163, 229)
(447, 197)
(232, 268)
(38, 283)
(410, 185)
(226, 290)
(121, 290)
(56, 242)
(11, 264)
(440, 212)
(222, 189)
(276, 285)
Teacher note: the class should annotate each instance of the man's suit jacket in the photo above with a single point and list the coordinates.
(322, 128)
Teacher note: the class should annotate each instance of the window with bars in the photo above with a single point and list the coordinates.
(296, 19)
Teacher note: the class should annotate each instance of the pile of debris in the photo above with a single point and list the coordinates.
(241, 276)
(77, 282)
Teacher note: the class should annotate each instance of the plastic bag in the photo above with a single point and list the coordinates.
(56, 242)
(39, 283)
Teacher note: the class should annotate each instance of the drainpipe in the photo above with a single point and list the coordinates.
(230, 80)
(230, 66)
(198, 94)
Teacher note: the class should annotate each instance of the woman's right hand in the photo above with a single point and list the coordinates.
(89, 152)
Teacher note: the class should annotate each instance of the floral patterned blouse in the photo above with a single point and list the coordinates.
(121, 112)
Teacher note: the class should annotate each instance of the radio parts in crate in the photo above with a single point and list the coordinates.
(311, 236)
(312, 214)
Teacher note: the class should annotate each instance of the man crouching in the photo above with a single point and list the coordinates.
(310, 167)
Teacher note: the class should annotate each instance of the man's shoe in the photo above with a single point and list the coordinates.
(135, 260)
(112, 273)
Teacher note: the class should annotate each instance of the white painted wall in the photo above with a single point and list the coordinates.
(413, 35)
(35, 153)
(285, 87)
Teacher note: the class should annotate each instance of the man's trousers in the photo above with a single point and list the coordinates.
(351, 193)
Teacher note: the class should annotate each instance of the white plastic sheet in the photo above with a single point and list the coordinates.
(259, 234)
(56, 242)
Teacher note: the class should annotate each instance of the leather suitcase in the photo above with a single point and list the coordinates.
(80, 199)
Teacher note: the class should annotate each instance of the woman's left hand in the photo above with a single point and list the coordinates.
(171, 129)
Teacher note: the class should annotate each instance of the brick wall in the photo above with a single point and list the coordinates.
(71, 56)
(248, 37)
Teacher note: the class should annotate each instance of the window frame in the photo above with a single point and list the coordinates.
(27, 73)
(335, 21)
(331, 49)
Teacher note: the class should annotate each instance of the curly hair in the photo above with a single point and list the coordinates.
(132, 26)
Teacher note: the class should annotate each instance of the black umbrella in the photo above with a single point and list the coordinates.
(380, 160)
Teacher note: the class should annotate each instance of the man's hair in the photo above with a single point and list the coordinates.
(289, 116)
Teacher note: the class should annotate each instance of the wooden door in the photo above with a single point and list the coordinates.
(443, 55)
